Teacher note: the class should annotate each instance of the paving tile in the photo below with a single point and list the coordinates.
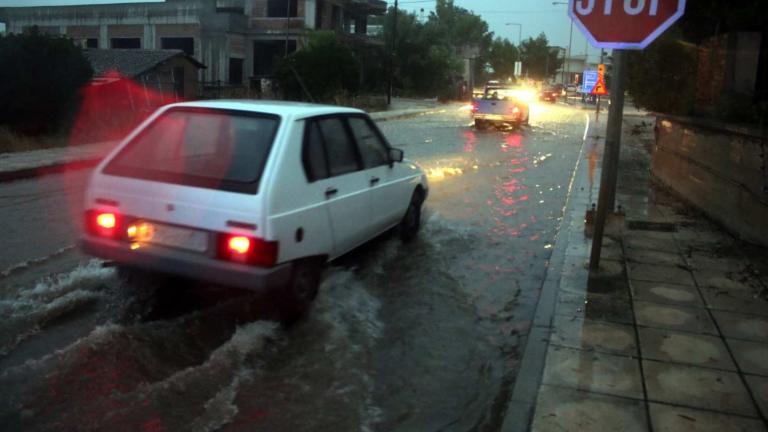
(752, 357)
(759, 387)
(647, 242)
(568, 410)
(741, 326)
(702, 261)
(735, 300)
(594, 335)
(593, 371)
(727, 280)
(659, 292)
(598, 307)
(669, 317)
(646, 256)
(697, 350)
(659, 273)
(666, 418)
(697, 387)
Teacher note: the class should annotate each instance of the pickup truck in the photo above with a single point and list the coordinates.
(499, 105)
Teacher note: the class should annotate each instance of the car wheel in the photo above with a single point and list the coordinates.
(295, 299)
(411, 222)
(480, 124)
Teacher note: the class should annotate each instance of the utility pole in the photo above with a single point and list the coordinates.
(392, 57)
(610, 171)
(567, 65)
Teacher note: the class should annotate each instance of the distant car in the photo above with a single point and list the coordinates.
(572, 88)
(550, 94)
(251, 195)
(558, 89)
(502, 104)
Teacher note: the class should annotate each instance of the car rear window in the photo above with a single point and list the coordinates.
(215, 149)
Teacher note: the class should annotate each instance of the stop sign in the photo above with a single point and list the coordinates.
(625, 24)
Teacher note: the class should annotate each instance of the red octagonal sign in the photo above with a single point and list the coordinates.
(625, 24)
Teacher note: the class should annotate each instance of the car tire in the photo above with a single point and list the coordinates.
(480, 124)
(411, 222)
(296, 297)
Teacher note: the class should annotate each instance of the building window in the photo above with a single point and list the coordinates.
(125, 43)
(279, 8)
(186, 44)
(236, 71)
(91, 43)
(266, 55)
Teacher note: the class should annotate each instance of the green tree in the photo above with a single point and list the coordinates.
(540, 61)
(40, 81)
(324, 67)
(664, 76)
(502, 58)
(424, 62)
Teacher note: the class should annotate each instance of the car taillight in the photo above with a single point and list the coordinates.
(474, 107)
(247, 250)
(103, 223)
(516, 110)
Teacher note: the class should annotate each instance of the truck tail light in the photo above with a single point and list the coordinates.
(247, 250)
(103, 223)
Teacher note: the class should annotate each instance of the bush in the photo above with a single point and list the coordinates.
(324, 67)
(40, 79)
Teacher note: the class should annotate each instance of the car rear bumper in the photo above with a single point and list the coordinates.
(499, 118)
(186, 264)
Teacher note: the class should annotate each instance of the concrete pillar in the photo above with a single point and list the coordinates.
(103, 36)
(310, 13)
(149, 37)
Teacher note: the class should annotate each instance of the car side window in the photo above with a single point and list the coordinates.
(340, 150)
(373, 149)
(313, 153)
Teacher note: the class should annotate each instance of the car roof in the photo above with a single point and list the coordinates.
(280, 108)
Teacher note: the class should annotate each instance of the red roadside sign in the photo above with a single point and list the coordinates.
(625, 24)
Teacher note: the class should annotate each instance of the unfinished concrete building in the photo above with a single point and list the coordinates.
(237, 40)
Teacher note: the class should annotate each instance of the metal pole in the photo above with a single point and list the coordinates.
(567, 66)
(599, 97)
(392, 57)
(610, 170)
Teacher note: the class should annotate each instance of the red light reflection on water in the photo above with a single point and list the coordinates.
(470, 141)
(510, 193)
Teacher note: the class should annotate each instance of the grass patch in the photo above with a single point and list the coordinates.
(11, 142)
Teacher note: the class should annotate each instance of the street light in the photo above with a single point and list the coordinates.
(567, 65)
(520, 33)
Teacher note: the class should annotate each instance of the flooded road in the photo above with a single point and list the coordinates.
(417, 337)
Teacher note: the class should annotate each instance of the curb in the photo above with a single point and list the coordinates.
(383, 117)
(522, 403)
(53, 168)
(59, 167)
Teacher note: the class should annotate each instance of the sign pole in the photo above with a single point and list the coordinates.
(610, 170)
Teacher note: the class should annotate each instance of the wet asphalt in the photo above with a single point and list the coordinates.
(419, 337)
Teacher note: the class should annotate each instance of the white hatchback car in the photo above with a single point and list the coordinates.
(250, 194)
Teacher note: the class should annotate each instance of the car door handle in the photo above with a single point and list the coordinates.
(331, 192)
(374, 181)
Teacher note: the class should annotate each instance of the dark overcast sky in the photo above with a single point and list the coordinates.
(536, 16)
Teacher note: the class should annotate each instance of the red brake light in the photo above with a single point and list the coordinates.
(247, 250)
(106, 220)
(516, 110)
(239, 244)
(103, 223)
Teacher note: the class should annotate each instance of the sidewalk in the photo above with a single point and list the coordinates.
(672, 335)
(21, 165)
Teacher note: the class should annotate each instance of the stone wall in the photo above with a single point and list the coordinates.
(721, 169)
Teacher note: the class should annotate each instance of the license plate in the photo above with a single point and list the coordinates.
(171, 236)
